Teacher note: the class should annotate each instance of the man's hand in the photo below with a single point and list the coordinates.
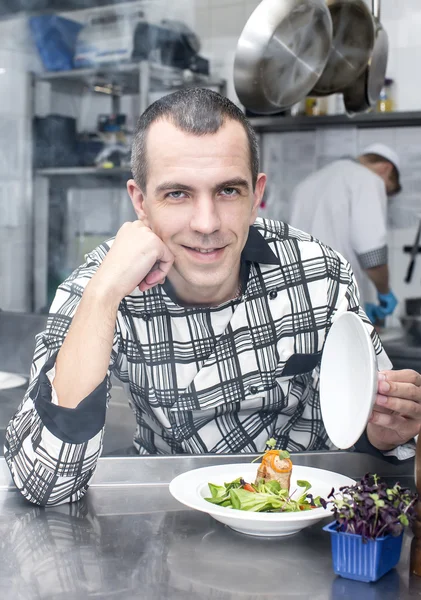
(137, 258)
(373, 312)
(386, 306)
(388, 303)
(396, 417)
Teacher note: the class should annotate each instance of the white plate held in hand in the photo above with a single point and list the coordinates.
(348, 380)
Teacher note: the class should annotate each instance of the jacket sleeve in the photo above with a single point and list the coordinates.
(51, 450)
(368, 220)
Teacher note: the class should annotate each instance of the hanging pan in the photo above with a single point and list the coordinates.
(281, 53)
(354, 31)
(365, 92)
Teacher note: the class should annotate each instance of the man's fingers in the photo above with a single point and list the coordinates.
(392, 389)
(405, 375)
(381, 408)
(390, 421)
(154, 277)
(407, 408)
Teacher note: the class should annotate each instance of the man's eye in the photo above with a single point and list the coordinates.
(229, 191)
(176, 195)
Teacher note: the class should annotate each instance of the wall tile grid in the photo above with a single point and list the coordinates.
(289, 157)
(17, 57)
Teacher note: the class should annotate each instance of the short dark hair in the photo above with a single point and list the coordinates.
(373, 159)
(198, 111)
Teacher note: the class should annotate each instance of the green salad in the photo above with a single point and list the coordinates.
(263, 496)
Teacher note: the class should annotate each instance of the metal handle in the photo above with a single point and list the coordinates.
(414, 254)
(376, 8)
(410, 271)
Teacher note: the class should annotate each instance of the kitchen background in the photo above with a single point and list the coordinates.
(78, 219)
(55, 204)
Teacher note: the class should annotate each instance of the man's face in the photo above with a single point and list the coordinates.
(199, 200)
(384, 170)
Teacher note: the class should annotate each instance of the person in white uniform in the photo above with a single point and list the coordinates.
(344, 205)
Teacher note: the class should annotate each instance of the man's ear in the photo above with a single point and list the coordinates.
(259, 190)
(138, 199)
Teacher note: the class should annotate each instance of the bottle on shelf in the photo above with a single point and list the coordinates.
(316, 107)
(386, 101)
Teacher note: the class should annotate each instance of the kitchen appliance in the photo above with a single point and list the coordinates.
(171, 43)
(412, 327)
(354, 31)
(107, 38)
(364, 93)
(55, 142)
(413, 307)
(117, 149)
(281, 53)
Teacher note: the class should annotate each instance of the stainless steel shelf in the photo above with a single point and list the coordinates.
(364, 121)
(127, 77)
(95, 171)
(84, 177)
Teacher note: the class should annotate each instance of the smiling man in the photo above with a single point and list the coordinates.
(213, 320)
(199, 196)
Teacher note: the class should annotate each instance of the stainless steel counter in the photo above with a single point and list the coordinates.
(129, 539)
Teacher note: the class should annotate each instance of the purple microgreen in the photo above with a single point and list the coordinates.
(372, 509)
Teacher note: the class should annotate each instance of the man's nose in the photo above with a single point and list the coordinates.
(205, 218)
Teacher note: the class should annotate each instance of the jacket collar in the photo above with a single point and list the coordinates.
(257, 249)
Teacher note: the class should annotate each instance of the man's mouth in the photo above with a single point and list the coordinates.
(210, 253)
(205, 250)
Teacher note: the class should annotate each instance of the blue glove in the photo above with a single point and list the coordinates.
(388, 303)
(374, 312)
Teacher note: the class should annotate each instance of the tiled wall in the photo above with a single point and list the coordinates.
(287, 158)
(220, 22)
(16, 58)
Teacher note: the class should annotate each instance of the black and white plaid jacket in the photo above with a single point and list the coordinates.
(199, 380)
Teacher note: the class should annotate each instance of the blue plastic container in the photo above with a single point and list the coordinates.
(55, 38)
(364, 562)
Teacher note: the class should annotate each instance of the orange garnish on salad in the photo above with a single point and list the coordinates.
(270, 458)
(249, 488)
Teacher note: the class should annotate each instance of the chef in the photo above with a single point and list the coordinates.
(214, 321)
(344, 205)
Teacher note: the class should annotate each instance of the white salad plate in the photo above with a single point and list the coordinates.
(191, 489)
(348, 380)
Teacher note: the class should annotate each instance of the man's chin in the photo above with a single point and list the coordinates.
(202, 280)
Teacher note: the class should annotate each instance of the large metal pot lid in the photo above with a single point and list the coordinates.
(281, 53)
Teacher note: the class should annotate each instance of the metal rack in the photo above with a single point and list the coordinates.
(138, 78)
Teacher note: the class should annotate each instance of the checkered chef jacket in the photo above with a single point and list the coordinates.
(199, 380)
